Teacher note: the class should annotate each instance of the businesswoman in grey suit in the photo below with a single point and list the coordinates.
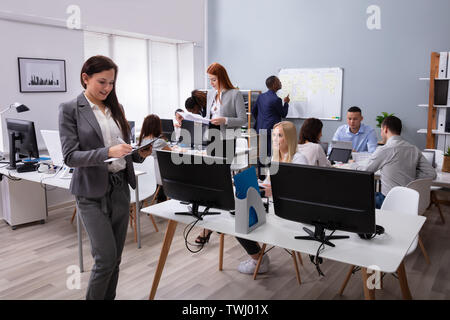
(225, 104)
(225, 107)
(93, 128)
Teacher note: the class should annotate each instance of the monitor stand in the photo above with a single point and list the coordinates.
(319, 235)
(195, 213)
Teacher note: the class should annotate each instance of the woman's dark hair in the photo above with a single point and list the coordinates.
(150, 126)
(196, 103)
(310, 131)
(97, 64)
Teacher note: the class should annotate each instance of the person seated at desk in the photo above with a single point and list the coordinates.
(310, 134)
(151, 128)
(398, 161)
(363, 137)
(284, 146)
(196, 103)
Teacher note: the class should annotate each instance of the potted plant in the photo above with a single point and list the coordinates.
(382, 117)
(446, 162)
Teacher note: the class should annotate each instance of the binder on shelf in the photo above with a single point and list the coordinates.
(442, 119)
(441, 92)
(443, 62)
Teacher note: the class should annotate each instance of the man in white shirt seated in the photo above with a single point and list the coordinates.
(398, 161)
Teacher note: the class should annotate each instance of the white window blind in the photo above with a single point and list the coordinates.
(185, 71)
(164, 77)
(154, 77)
(95, 44)
(132, 83)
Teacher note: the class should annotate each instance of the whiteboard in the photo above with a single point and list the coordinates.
(314, 93)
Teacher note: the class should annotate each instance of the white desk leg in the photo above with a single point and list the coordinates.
(138, 211)
(80, 244)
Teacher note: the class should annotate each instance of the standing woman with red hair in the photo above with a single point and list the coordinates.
(225, 107)
(224, 104)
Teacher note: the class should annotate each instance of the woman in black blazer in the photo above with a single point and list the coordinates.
(93, 128)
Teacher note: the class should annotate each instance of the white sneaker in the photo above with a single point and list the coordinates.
(248, 266)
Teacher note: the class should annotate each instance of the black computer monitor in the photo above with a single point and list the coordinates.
(167, 128)
(327, 198)
(198, 180)
(195, 133)
(22, 142)
(132, 125)
(225, 148)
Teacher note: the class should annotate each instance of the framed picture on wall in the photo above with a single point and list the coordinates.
(42, 75)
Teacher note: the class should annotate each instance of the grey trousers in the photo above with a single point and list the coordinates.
(106, 221)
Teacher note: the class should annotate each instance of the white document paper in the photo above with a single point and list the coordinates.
(193, 117)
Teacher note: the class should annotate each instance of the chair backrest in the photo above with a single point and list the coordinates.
(404, 200)
(240, 161)
(157, 172)
(422, 186)
(147, 181)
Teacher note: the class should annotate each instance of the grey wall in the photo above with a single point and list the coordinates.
(255, 38)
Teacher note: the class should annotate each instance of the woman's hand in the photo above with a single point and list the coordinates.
(218, 121)
(144, 153)
(119, 150)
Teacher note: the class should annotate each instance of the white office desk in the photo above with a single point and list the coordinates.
(385, 252)
(64, 183)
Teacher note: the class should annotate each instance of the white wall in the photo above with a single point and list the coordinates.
(174, 19)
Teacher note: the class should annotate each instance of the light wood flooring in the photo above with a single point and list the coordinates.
(34, 261)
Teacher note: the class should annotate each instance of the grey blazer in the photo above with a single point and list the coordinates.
(84, 150)
(232, 107)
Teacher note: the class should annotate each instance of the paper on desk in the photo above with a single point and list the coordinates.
(135, 149)
(193, 117)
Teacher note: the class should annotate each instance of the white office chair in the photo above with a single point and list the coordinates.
(147, 184)
(240, 161)
(404, 200)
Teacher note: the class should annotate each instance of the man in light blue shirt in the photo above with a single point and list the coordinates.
(363, 137)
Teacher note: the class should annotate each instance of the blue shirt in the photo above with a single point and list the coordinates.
(365, 140)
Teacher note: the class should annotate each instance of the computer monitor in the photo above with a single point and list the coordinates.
(22, 142)
(197, 133)
(167, 128)
(327, 198)
(198, 180)
(226, 148)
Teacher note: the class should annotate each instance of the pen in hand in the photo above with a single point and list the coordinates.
(119, 150)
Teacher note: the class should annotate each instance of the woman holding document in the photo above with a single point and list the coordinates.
(225, 108)
(92, 128)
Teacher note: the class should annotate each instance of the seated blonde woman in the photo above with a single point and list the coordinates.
(310, 134)
(284, 146)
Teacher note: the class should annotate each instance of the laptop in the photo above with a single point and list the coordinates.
(53, 145)
(340, 155)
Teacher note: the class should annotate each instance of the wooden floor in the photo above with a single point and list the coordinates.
(34, 261)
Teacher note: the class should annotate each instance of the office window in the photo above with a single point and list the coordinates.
(164, 77)
(132, 83)
(154, 77)
(96, 43)
(185, 71)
